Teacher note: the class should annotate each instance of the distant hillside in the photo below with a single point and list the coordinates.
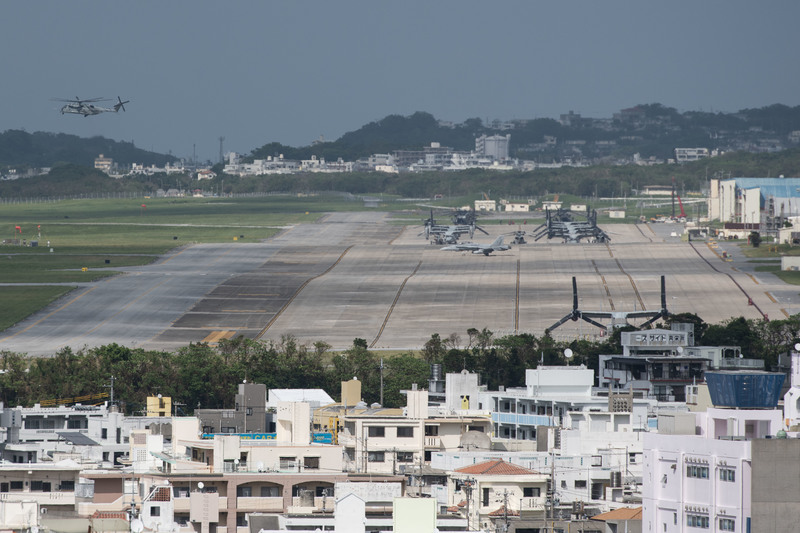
(649, 130)
(41, 149)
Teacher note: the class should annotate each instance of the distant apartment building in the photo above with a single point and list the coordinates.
(103, 163)
(683, 155)
(493, 146)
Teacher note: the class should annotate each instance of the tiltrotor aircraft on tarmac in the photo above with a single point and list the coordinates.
(87, 107)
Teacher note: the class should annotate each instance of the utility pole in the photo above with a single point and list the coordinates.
(111, 398)
(551, 491)
(505, 509)
(468, 486)
(381, 381)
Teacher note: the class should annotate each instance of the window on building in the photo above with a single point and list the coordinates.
(104, 433)
(244, 491)
(405, 457)
(311, 463)
(727, 474)
(700, 472)
(287, 462)
(249, 411)
(727, 524)
(531, 492)
(74, 423)
(376, 431)
(485, 498)
(375, 457)
(241, 519)
(16, 485)
(67, 485)
(699, 521)
(475, 428)
(405, 432)
(580, 483)
(32, 423)
(321, 491)
(270, 492)
(36, 485)
(431, 431)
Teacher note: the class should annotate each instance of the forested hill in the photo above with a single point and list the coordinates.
(646, 129)
(42, 149)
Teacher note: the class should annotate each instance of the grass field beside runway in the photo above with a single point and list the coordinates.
(108, 233)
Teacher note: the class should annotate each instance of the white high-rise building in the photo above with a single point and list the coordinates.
(494, 146)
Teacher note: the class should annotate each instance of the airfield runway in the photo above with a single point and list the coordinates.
(358, 275)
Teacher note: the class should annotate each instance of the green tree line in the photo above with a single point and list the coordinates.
(202, 376)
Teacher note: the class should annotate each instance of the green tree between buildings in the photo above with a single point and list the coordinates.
(202, 376)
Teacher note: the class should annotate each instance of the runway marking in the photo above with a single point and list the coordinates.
(298, 291)
(711, 246)
(643, 235)
(787, 315)
(216, 336)
(633, 284)
(610, 253)
(49, 315)
(394, 302)
(117, 313)
(772, 299)
(605, 285)
(170, 258)
(715, 269)
(244, 310)
(266, 294)
(753, 278)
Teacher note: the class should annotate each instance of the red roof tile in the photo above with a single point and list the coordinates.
(502, 512)
(495, 468)
(623, 513)
(120, 515)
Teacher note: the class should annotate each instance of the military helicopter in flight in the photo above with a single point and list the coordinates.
(87, 107)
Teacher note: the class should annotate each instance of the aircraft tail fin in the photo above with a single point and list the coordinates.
(120, 104)
(498, 242)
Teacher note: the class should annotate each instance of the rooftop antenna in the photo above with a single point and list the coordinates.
(111, 393)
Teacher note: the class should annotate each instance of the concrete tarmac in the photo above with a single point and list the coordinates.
(358, 275)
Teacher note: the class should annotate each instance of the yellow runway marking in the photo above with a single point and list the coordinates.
(216, 336)
(771, 299)
(787, 315)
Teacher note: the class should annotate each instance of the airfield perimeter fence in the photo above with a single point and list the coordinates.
(180, 194)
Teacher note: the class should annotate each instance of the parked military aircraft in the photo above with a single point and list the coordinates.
(87, 107)
(618, 318)
(475, 248)
(463, 223)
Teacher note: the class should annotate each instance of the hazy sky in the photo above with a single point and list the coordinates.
(290, 71)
